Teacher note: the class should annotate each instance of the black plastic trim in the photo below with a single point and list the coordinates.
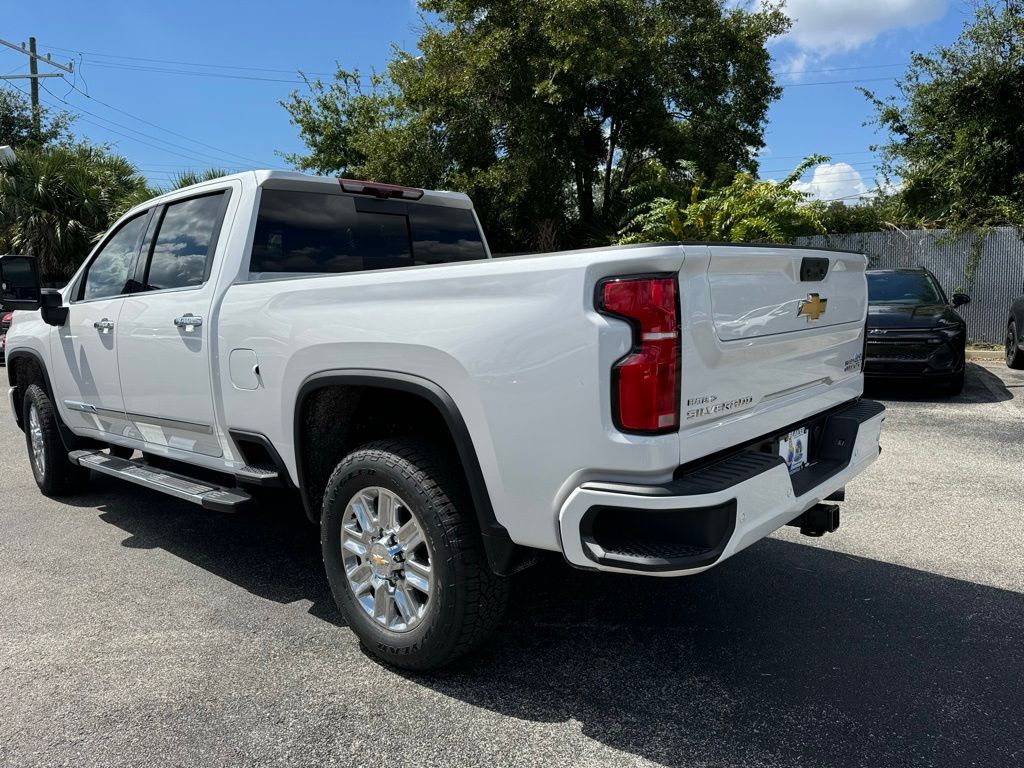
(241, 436)
(719, 520)
(70, 439)
(504, 555)
(813, 269)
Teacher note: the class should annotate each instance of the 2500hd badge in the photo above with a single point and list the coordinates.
(708, 405)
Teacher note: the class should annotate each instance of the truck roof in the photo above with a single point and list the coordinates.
(297, 180)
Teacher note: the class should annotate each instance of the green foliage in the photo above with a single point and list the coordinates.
(17, 129)
(190, 177)
(546, 111)
(54, 201)
(746, 210)
(957, 126)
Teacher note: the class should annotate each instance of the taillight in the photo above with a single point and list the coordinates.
(645, 383)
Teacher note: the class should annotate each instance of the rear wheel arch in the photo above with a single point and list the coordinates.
(343, 409)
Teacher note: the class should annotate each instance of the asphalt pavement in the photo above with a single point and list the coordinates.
(139, 630)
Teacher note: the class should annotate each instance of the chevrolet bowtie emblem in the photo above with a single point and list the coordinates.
(813, 307)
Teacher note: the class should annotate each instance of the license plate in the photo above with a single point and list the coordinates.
(793, 449)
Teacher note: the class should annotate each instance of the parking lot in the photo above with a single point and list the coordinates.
(139, 630)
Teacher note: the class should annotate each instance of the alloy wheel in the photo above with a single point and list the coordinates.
(35, 431)
(386, 558)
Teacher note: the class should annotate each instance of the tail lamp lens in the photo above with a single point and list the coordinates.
(645, 383)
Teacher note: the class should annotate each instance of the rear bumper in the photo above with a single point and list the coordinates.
(704, 517)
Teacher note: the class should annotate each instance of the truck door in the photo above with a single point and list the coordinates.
(164, 330)
(84, 350)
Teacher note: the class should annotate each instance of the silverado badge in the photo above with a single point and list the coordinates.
(813, 307)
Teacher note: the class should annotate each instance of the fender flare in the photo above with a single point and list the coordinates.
(70, 439)
(504, 556)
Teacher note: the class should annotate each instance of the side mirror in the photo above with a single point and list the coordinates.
(959, 299)
(19, 283)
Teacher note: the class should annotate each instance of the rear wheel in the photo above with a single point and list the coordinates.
(1014, 354)
(53, 472)
(404, 557)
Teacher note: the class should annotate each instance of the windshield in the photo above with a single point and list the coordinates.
(902, 288)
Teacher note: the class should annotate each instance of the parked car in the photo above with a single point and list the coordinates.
(1015, 335)
(5, 323)
(444, 415)
(914, 331)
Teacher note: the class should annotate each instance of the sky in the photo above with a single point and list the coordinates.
(190, 85)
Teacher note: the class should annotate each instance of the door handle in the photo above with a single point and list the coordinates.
(104, 325)
(189, 322)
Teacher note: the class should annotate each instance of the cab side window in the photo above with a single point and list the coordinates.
(111, 270)
(185, 243)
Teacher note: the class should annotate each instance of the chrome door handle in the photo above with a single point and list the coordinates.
(188, 322)
(104, 325)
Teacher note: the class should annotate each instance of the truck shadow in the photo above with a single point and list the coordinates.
(786, 655)
(980, 386)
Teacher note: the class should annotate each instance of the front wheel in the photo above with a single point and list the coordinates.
(53, 471)
(404, 556)
(1014, 354)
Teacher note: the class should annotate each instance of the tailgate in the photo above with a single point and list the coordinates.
(771, 336)
(764, 291)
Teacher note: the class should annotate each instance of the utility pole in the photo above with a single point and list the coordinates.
(33, 67)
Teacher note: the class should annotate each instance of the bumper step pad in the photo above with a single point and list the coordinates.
(209, 496)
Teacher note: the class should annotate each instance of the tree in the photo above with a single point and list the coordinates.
(546, 111)
(189, 177)
(957, 126)
(745, 210)
(17, 128)
(54, 202)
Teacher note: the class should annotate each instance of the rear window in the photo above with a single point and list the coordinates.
(903, 288)
(316, 233)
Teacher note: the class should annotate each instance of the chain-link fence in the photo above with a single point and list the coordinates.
(990, 268)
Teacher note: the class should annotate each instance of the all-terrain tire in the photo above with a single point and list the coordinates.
(53, 472)
(466, 601)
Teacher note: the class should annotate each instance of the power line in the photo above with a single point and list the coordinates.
(193, 158)
(186, 63)
(833, 69)
(166, 130)
(190, 73)
(839, 82)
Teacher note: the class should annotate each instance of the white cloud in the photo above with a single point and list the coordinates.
(833, 181)
(833, 26)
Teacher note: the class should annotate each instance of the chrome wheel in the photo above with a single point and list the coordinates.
(35, 433)
(386, 558)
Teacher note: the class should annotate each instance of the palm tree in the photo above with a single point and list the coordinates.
(55, 201)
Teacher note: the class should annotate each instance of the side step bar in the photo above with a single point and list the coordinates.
(213, 497)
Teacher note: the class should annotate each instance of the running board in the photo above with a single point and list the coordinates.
(212, 497)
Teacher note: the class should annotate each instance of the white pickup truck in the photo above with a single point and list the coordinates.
(445, 415)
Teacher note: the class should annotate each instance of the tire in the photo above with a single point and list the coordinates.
(53, 472)
(1014, 354)
(380, 592)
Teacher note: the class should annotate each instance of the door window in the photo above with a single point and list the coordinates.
(185, 242)
(111, 269)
